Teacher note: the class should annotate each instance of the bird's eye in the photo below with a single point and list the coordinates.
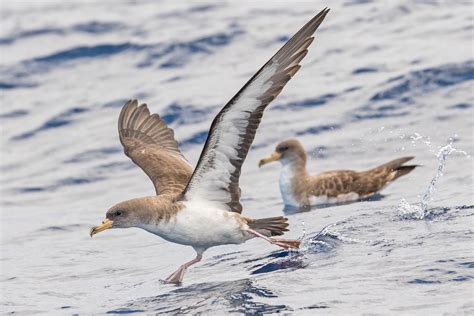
(282, 149)
(118, 213)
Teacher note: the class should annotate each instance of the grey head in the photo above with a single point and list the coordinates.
(131, 213)
(287, 151)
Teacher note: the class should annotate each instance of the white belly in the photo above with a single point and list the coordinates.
(202, 226)
(286, 175)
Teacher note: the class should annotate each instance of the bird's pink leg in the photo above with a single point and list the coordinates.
(177, 276)
(282, 243)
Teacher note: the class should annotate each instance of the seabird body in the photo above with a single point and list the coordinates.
(201, 207)
(299, 189)
(201, 226)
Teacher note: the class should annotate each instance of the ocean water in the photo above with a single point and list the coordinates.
(382, 80)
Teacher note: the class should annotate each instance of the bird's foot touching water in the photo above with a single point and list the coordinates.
(177, 276)
(284, 243)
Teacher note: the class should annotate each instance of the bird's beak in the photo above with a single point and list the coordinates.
(106, 224)
(273, 157)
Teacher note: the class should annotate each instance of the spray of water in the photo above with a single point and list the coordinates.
(421, 210)
(303, 246)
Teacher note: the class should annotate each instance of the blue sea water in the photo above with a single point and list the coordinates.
(382, 80)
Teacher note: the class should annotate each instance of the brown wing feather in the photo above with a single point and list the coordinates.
(377, 178)
(364, 183)
(151, 145)
(333, 183)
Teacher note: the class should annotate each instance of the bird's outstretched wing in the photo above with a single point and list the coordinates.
(216, 177)
(151, 145)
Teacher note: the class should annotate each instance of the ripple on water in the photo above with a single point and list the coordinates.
(320, 243)
(60, 120)
(239, 296)
(13, 114)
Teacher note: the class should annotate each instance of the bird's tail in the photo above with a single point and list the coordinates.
(396, 163)
(395, 168)
(403, 170)
(270, 226)
(273, 226)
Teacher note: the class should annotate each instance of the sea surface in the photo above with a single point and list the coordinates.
(383, 80)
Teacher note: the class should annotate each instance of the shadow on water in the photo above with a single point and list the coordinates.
(230, 297)
(289, 210)
(321, 243)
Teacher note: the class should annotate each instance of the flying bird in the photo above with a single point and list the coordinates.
(201, 208)
(299, 189)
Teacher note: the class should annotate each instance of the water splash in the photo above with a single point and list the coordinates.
(322, 242)
(421, 210)
(424, 139)
(442, 155)
(304, 230)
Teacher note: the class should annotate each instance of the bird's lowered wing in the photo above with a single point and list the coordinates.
(216, 177)
(151, 145)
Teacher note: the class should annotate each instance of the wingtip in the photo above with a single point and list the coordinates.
(319, 18)
(321, 14)
(325, 11)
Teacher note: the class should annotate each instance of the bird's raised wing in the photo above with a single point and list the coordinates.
(151, 145)
(216, 177)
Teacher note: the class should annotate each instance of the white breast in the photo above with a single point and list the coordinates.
(286, 175)
(201, 225)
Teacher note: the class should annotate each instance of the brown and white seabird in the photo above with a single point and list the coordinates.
(299, 189)
(202, 209)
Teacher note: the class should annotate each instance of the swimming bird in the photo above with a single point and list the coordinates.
(201, 208)
(299, 189)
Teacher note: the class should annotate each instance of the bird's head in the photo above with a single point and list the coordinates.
(131, 213)
(288, 151)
